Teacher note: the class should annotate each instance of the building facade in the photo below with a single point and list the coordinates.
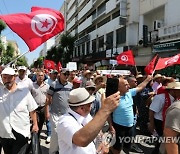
(105, 28)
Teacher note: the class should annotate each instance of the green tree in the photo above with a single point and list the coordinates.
(39, 62)
(22, 61)
(2, 26)
(62, 52)
(8, 55)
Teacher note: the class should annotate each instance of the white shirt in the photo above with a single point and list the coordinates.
(15, 107)
(66, 128)
(158, 104)
(26, 82)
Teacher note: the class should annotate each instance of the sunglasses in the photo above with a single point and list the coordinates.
(66, 74)
(90, 89)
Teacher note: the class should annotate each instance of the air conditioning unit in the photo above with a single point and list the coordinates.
(157, 24)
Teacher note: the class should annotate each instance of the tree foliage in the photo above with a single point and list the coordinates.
(63, 52)
(22, 62)
(8, 55)
(2, 26)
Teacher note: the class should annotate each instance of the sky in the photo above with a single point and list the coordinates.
(24, 6)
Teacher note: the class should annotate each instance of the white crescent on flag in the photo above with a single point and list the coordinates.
(172, 60)
(43, 24)
(49, 64)
(124, 58)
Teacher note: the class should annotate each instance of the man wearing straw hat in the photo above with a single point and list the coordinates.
(78, 127)
(158, 108)
(172, 123)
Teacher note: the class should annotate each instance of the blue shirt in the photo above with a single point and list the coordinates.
(123, 115)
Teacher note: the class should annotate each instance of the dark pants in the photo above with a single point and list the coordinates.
(13, 146)
(122, 131)
(159, 129)
(41, 118)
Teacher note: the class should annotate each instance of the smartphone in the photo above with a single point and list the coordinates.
(111, 86)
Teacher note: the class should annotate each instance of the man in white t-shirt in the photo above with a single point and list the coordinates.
(16, 104)
(22, 80)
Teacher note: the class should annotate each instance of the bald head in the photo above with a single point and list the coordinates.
(123, 86)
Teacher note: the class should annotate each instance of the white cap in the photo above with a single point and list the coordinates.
(22, 68)
(8, 71)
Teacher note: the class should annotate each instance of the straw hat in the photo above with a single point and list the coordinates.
(139, 76)
(173, 85)
(90, 84)
(98, 77)
(157, 76)
(80, 96)
(87, 72)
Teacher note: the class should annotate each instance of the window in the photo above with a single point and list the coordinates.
(87, 48)
(79, 51)
(106, 20)
(101, 9)
(121, 35)
(116, 14)
(83, 49)
(94, 45)
(109, 41)
(101, 43)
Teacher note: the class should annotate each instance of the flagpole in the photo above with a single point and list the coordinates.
(16, 59)
(136, 70)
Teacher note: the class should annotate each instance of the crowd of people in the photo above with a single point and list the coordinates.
(80, 108)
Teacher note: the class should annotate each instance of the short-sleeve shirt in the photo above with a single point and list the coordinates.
(172, 117)
(60, 95)
(158, 104)
(39, 93)
(123, 114)
(15, 107)
(26, 82)
(68, 125)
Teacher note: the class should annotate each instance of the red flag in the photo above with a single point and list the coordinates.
(36, 27)
(126, 58)
(59, 66)
(150, 67)
(49, 64)
(165, 62)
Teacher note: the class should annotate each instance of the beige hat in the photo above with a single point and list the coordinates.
(80, 96)
(139, 76)
(157, 76)
(87, 72)
(173, 85)
(90, 84)
(99, 76)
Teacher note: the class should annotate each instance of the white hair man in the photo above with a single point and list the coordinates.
(76, 129)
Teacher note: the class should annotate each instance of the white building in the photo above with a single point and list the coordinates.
(106, 27)
(47, 46)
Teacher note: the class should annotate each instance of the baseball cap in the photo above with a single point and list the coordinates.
(22, 68)
(8, 71)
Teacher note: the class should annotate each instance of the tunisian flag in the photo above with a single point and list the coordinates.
(165, 62)
(126, 58)
(49, 64)
(36, 27)
(59, 66)
(150, 67)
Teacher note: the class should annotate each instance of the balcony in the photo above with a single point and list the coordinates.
(85, 10)
(169, 31)
(85, 24)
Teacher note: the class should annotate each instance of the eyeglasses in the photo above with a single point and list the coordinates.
(90, 89)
